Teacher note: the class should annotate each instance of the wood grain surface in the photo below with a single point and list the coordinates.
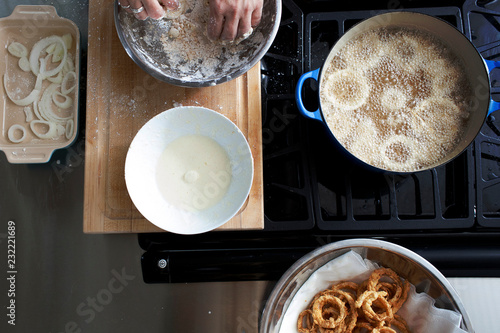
(121, 98)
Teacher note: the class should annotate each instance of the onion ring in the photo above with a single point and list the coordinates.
(49, 134)
(32, 96)
(39, 47)
(11, 133)
(56, 79)
(321, 303)
(368, 300)
(400, 324)
(64, 84)
(70, 128)
(45, 105)
(397, 293)
(347, 89)
(306, 317)
(395, 162)
(351, 307)
(68, 101)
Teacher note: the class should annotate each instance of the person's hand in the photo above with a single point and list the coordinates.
(231, 19)
(143, 9)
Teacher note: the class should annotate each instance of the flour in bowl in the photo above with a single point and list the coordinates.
(181, 48)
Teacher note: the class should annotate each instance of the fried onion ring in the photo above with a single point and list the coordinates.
(329, 321)
(375, 307)
(397, 291)
(348, 307)
(305, 323)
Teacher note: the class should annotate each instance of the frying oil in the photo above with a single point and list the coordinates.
(410, 104)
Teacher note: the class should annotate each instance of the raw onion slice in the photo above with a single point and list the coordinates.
(56, 79)
(24, 64)
(11, 134)
(68, 101)
(70, 65)
(36, 111)
(18, 50)
(51, 130)
(61, 130)
(64, 84)
(28, 113)
(45, 105)
(58, 53)
(68, 40)
(37, 50)
(50, 49)
(70, 128)
(33, 95)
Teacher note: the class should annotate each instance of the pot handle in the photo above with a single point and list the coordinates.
(491, 65)
(298, 95)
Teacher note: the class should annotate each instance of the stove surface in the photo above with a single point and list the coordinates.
(310, 183)
(314, 195)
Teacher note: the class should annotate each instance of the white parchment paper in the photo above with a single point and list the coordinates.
(419, 311)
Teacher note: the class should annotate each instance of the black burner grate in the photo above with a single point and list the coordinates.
(482, 27)
(287, 199)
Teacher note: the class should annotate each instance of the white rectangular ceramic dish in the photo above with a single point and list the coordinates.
(32, 128)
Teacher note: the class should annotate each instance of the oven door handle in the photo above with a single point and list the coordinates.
(298, 95)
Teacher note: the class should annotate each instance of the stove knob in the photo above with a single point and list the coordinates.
(162, 263)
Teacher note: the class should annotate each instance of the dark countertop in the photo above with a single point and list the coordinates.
(68, 281)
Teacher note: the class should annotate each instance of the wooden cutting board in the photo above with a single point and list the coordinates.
(121, 98)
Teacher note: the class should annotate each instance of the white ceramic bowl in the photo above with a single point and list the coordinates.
(145, 151)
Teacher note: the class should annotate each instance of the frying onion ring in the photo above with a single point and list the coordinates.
(347, 89)
(399, 165)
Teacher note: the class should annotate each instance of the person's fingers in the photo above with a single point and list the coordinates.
(124, 4)
(230, 28)
(256, 16)
(244, 26)
(231, 19)
(135, 8)
(170, 4)
(215, 21)
(153, 9)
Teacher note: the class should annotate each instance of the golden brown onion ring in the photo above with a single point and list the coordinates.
(333, 302)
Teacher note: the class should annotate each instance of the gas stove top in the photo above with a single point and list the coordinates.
(314, 195)
(312, 184)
